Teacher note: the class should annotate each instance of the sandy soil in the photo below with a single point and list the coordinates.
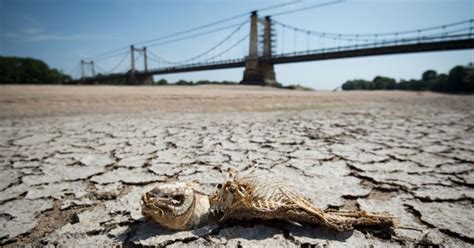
(52, 100)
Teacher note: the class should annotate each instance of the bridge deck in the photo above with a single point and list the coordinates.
(305, 56)
(385, 50)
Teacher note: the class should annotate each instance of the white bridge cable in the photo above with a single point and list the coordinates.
(411, 40)
(100, 69)
(121, 50)
(159, 62)
(75, 70)
(215, 56)
(194, 35)
(156, 64)
(217, 22)
(318, 35)
(228, 49)
(318, 5)
(191, 30)
(357, 36)
(136, 61)
(220, 43)
(112, 55)
(120, 62)
(157, 58)
(340, 40)
(88, 67)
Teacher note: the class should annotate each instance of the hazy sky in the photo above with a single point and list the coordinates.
(61, 32)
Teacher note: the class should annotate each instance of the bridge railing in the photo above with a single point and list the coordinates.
(383, 43)
(193, 65)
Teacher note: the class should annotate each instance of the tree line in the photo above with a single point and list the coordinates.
(14, 70)
(459, 79)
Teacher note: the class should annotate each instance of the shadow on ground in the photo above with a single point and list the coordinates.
(149, 233)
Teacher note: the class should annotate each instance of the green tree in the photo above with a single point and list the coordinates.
(184, 82)
(428, 75)
(161, 82)
(456, 79)
(440, 83)
(469, 79)
(29, 71)
(383, 83)
(357, 84)
(403, 85)
(417, 85)
(348, 85)
(459, 79)
(204, 82)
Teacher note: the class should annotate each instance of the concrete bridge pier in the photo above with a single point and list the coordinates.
(259, 71)
(141, 80)
(268, 73)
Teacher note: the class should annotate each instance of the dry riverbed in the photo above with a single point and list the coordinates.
(75, 160)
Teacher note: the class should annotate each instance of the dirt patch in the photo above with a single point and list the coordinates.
(48, 222)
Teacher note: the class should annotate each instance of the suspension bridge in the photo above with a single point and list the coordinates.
(269, 42)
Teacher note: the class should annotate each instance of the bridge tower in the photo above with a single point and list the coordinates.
(83, 63)
(266, 65)
(139, 78)
(259, 71)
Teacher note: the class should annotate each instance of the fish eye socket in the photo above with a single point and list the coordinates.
(219, 186)
(177, 199)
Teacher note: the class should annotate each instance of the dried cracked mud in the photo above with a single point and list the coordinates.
(77, 180)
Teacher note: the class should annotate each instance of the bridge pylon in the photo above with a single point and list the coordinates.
(259, 70)
(83, 63)
(266, 65)
(135, 76)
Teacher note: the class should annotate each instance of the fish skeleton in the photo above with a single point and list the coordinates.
(183, 206)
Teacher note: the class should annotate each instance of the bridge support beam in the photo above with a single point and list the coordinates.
(258, 71)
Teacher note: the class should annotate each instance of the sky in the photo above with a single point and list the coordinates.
(62, 32)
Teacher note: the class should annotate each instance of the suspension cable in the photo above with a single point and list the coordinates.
(307, 8)
(194, 35)
(74, 69)
(158, 58)
(112, 56)
(195, 28)
(120, 63)
(212, 48)
(323, 34)
(100, 69)
(229, 48)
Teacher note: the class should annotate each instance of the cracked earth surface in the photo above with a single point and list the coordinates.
(78, 179)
